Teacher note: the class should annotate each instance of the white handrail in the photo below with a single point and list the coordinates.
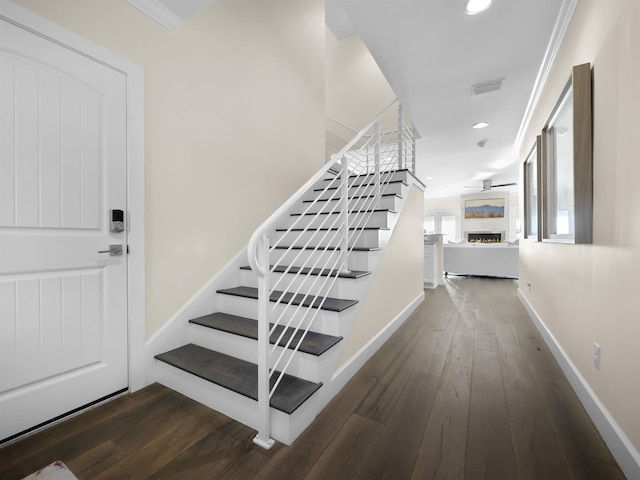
(329, 228)
(268, 224)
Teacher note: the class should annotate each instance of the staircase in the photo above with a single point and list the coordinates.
(317, 255)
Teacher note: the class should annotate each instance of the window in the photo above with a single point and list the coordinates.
(442, 222)
(559, 132)
(449, 227)
(568, 167)
(531, 192)
(429, 224)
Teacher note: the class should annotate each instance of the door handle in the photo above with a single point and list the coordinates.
(114, 250)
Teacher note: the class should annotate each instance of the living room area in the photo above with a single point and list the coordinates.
(473, 234)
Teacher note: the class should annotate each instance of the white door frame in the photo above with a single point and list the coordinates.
(135, 169)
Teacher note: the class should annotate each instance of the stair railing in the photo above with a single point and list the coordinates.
(311, 252)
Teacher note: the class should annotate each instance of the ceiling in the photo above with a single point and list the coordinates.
(432, 52)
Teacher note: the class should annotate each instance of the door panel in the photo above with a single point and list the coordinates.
(63, 305)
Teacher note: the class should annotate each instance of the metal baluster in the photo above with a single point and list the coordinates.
(345, 215)
(377, 164)
(400, 139)
(413, 149)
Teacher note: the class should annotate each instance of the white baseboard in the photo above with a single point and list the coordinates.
(345, 372)
(621, 447)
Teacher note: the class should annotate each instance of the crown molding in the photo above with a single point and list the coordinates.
(158, 12)
(567, 11)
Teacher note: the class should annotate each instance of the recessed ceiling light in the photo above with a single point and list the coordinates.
(472, 7)
(429, 178)
(481, 125)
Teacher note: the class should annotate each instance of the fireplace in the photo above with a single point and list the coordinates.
(484, 237)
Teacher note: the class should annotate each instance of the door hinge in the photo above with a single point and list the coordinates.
(128, 250)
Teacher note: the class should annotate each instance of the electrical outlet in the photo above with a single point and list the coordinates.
(529, 285)
(596, 355)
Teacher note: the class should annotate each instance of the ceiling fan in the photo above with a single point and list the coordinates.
(488, 185)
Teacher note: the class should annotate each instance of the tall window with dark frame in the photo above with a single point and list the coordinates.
(567, 174)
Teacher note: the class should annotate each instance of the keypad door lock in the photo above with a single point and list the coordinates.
(116, 221)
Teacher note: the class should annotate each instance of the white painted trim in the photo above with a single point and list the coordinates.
(136, 230)
(567, 10)
(621, 447)
(158, 12)
(135, 167)
(348, 369)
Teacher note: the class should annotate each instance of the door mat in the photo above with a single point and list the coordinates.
(56, 471)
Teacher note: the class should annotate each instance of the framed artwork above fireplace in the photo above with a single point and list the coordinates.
(484, 208)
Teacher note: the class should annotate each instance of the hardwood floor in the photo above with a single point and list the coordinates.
(466, 388)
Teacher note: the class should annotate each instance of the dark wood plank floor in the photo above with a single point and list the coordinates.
(465, 389)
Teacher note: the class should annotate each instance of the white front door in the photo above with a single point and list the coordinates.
(63, 305)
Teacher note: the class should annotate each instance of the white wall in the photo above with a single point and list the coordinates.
(441, 204)
(234, 120)
(356, 89)
(589, 293)
(398, 280)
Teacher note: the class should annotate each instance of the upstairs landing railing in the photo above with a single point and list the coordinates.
(310, 255)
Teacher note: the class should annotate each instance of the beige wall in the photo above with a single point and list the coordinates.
(234, 123)
(589, 293)
(398, 280)
(356, 89)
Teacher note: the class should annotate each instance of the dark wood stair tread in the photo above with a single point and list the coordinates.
(355, 197)
(312, 301)
(374, 210)
(323, 272)
(327, 229)
(371, 174)
(356, 186)
(322, 249)
(314, 343)
(382, 173)
(238, 375)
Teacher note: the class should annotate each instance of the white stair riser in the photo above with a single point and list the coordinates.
(382, 219)
(324, 321)
(357, 260)
(357, 204)
(310, 367)
(333, 238)
(398, 188)
(313, 284)
(284, 428)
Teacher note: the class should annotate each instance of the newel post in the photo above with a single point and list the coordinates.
(263, 437)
